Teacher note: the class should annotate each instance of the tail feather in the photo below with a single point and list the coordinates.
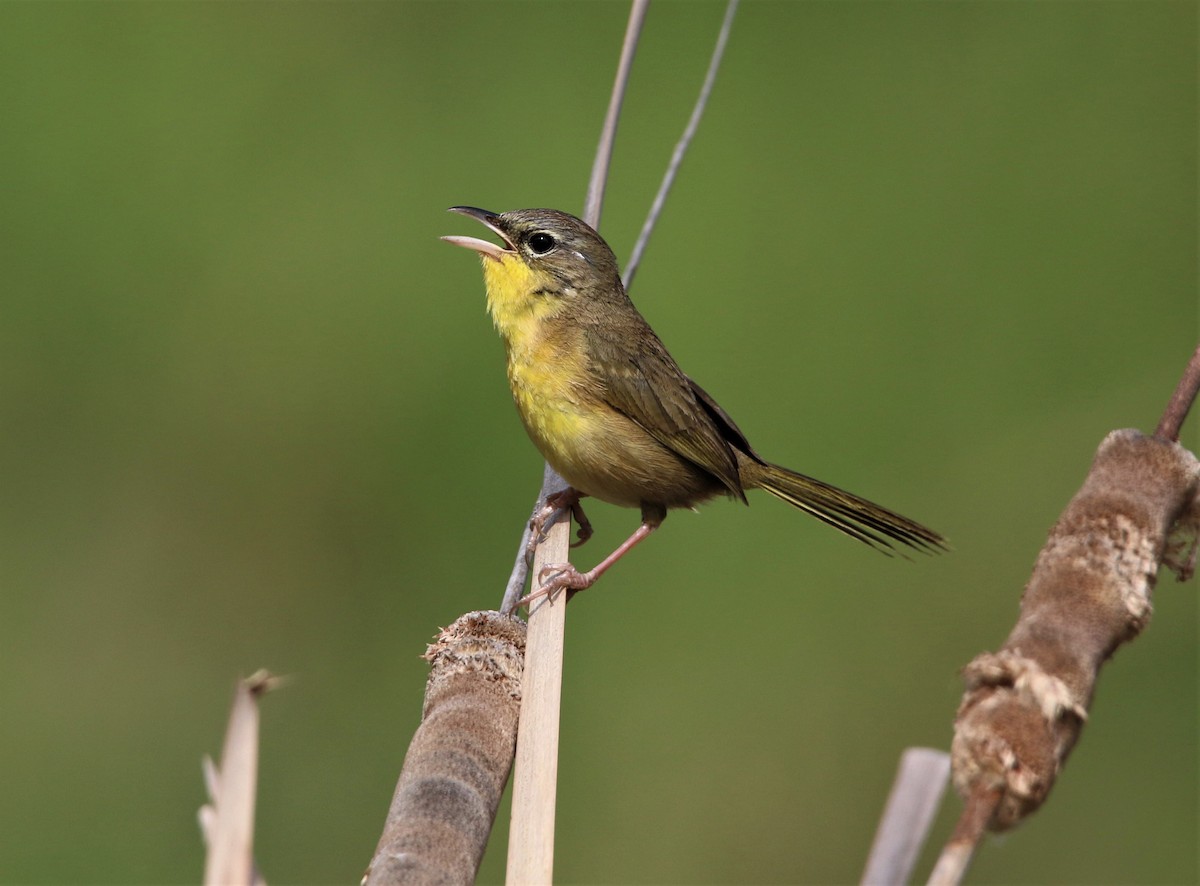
(858, 518)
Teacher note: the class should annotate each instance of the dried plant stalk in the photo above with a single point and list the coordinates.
(227, 821)
(916, 793)
(459, 759)
(1090, 591)
(956, 855)
(535, 784)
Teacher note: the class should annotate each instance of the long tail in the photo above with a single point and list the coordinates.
(858, 518)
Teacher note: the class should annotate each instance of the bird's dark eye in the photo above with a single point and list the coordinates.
(541, 242)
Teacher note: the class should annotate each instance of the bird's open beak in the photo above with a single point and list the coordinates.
(483, 247)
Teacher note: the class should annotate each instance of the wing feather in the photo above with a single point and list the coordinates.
(644, 383)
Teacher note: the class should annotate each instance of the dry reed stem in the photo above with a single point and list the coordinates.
(593, 204)
(458, 761)
(227, 821)
(531, 838)
(685, 140)
(1090, 591)
(1181, 401)
(912, 804)
(956, 855)
(534, 801)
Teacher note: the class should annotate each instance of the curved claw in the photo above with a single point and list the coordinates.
(555, 507)
(558, 577)
(535, 538)
(543, 519)
(563, 575)
(585, 529)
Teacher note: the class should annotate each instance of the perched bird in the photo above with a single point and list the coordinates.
(609, 407)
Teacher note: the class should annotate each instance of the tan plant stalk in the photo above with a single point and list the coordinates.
(227, 820)
(459, 759)
(1026, 704)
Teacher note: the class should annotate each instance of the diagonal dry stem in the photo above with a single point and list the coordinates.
(916, 794)
(681, 146)
(1181, 401)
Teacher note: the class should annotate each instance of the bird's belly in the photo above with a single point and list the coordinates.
(598, 450)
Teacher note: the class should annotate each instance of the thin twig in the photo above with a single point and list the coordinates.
(520, 571)
(515, 589)
(593, 205)
(685, 140)
(956, 856)
(1181, 401)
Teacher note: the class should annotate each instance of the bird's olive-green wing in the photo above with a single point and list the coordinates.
(643, 382)
(729, 430)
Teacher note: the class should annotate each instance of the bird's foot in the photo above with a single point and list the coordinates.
(585, 527)
(557, 504)
(558, 577)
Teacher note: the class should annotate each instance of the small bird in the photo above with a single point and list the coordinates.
(610, 409)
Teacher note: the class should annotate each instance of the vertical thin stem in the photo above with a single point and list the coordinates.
(515, 589)
(228, 820)
(535, 778)
(593, 205)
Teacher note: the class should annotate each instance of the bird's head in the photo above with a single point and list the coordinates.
(550, 263)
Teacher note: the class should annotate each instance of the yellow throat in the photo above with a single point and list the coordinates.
(516, 309)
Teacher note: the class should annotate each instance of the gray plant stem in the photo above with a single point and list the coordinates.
(681, 146)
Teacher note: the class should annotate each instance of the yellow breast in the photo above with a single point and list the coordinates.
(545, 360)
(544, 373)
(594, 448)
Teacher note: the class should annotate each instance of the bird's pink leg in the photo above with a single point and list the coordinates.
(563, 576)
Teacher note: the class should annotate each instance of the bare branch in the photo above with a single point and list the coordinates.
(956, 856)
(594, 203)
(1181, 401)
(681, 147)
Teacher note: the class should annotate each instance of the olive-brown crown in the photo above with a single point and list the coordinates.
(562, 245)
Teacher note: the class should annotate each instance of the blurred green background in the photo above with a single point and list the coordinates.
(252, 412)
